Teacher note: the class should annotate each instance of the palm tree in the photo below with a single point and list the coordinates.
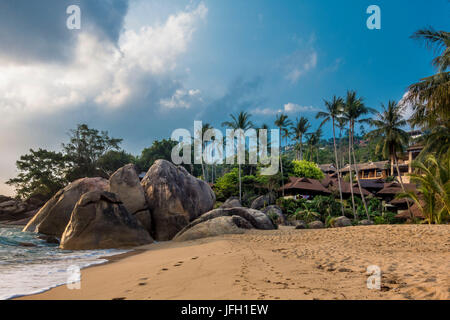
(388, 124)
(430, 97)
(334, 110)
(205, 128)
(239, 121)
(283, 123)
(313, 144)
(340, 123)
(354, 108)
(299, 129)
(434, 187)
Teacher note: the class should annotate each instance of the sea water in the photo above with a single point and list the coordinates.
(28, 270)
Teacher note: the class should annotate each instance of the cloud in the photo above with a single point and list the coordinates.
(182, 99)
(33, 31)
(288, 108)
(120, 86)
(299, 63)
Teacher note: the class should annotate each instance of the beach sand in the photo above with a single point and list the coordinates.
(279, 264)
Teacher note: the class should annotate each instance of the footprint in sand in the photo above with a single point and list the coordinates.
(142, 283)
(119, 298)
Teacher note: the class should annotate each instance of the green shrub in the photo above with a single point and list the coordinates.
(306, 169)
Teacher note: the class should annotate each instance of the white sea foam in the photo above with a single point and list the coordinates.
(31, 270)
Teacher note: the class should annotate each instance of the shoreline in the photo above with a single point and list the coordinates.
(278, 264)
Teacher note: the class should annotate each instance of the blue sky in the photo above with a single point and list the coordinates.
(142, 68)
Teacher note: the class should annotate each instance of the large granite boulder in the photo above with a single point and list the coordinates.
(54, 216)
(126, 184)
(276, 214)
(342, 221)
(263, 201)
(232, 202)
(214, 227)
(175, 198)
(16, 212)
(316, 225)
(257, 219)
(366, 222)
(100, 221)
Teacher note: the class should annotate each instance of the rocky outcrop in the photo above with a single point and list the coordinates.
(232, 202)
(54, 216)
(100, 221)
(276, 214)
(366, 222)
(342, 221)
(126, 184)
(300, 224)
(316, 225)
(263, 201)
(16, 212)
(255, 218)
(214, 227)
(175, 198)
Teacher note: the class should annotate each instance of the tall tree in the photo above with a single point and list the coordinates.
(354, 108)
(394, 139)
(239, 121)
(283, 124)
(430, 98)
(85, 147)
(299, 129)
(41, 172)
(334, 109)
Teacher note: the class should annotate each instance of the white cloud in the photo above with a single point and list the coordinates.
(182, 99)
(101, 72)
(299, 64)
(100, 75)
(288, 108)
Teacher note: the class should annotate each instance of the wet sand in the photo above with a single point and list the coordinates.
(279, 264)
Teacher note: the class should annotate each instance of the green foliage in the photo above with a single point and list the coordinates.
(290, 206)
(84, 149)
(434, 187)
(41, 172)
(227, 185)
(306, 169)
(113, 160)
(386, 218)
(159, 150)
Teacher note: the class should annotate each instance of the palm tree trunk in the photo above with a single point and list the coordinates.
(337, 168)
(350, 172)
(357, 180)
(403, 187)
(301, 147)
(281, 165)
(240, 188)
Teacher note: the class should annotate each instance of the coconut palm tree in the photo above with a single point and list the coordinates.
(299, 129)
(430, 97)
(313, 143)
(283, 124)
(394, 139)
(434, 187)
(334, 110)
(353, 109)
(239, 121)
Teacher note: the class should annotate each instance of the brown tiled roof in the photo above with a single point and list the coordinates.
(346, 189)
(379, 165)
(405, 214)
(372, 183)
(415, 147)
(393, 188)
(305, 184)
(327, 167)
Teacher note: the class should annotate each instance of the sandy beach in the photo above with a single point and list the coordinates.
(279, 264)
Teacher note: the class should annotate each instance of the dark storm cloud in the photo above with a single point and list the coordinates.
(242, 95)
(36, 30)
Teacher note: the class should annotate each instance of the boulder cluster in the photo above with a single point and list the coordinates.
(169, 203)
